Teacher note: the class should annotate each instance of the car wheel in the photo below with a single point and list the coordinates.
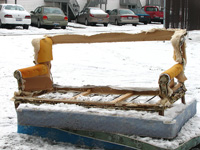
(86, 22)
(63, 27)
(105, 24)
(134, 24)
(25, 26)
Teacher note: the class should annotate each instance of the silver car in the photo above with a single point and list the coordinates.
(93, 16)
(48, 17)
(123, 16)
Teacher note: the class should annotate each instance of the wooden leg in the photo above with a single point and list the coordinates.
(161, 112)
(183, 100)
(16, 105)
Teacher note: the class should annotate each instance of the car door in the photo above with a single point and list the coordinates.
(80, 17)
(35, 15)
(84, 15)
(112, 16)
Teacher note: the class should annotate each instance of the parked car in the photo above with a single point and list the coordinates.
(143, 16)
(48, 17)
(154, 12)
(93, 16)
(123, 16)
(12, 15)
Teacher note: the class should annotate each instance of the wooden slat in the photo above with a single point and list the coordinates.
(34, 100)
(122, 98)
(82, 94)
(177, 86)
(121, 106)
(109, 90)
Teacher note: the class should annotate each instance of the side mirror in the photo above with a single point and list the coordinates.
(32, 12)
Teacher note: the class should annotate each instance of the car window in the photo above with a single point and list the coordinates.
(138, 11)
(87, 10)
(0, 7)
(112, 13)
(151, 9)
(20, 8)
(13, 7)
(97, 11)
(38, 10)
(51, 10)
(124, 11)
(46, 10)
(84, 11)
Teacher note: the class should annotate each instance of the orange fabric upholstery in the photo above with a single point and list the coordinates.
(174, 71)
(37, 70)
(45, 52)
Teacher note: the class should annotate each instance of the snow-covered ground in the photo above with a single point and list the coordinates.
(115, 64)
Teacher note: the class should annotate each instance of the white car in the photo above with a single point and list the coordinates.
(12, 15)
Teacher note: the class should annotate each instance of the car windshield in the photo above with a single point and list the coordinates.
(97, 11)
(124, 11)
(14, 7)
(50, 10)
(138, 11)
(151, 9)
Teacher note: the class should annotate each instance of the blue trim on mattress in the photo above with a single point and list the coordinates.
(68, 137)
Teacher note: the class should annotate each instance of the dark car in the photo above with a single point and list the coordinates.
(123, 16)
(93, 16)
(48, 17)
(143, 16)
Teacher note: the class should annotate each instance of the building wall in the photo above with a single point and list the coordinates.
(112, 4)
(143, 2)
(30, 5)
(81, 3)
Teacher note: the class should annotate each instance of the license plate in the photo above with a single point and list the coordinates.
(56, 24)
(100, 20)
(142, 16)
(129, 18)
(18, 19)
